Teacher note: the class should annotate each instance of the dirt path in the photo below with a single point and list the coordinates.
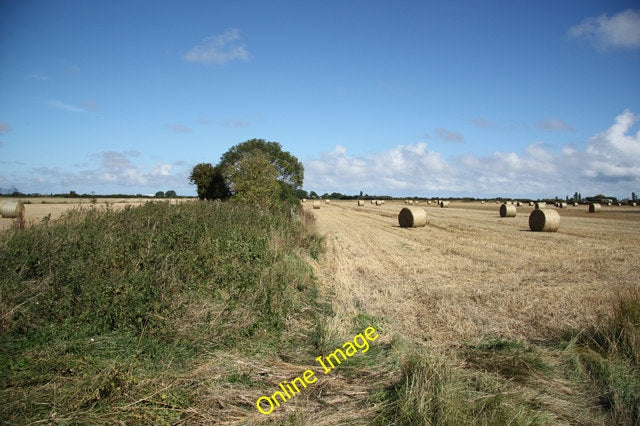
(470, 273)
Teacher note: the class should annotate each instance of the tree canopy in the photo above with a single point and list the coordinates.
(255, 171)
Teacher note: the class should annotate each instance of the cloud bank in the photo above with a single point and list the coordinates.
(609, 162)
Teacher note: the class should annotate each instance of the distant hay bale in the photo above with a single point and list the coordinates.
(444, 204)
(482, 202)
(406, 201)
(562, 205)
(327, 201)
(518, 203)
(412, 217)
(634, 204)
(497, 202)
(360, 202)
(373, 201)
(316, 204)
(507, 210)
(531, 203)
(575, 204)
(11, 209)
(428, 201)
(304, 200)
(379, 202)
(540, 205)
(544, 220)
(594, 207)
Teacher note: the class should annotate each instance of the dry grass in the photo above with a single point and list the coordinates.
(468, 274)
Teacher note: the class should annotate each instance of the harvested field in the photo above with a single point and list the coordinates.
(469, 274)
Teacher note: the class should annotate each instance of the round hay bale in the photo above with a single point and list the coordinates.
(544, 220)
(540, 205)
(562, 205)
(575, 204)
(304, 200)
(373, 201)
(406, 201)
(379, 202)
(497, 202)
(507, 210)
(634, 204)
(531, 203)
(444, 204)
(412, 217)
(360, 202)
(316, 204)
(327, 201)
(594, 207)
(482, 202)
(428, 201)
(518, 203)
(11, 209)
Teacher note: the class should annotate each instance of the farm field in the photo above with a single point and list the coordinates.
(37, 208)
(469, 273)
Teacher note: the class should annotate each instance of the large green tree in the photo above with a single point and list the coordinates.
(290, 169)
(209, 181)
(254, 180)
(251, 171)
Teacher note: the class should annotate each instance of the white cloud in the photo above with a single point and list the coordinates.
(161, 170)
(620, 30)
(219, 49)
(555, 124)
(610, 163)
(614, 153)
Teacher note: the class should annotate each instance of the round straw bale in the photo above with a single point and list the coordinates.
(412, 217)
(327, 201)
(531, 203)
(594, 207)
(406, 201)
(373, 201)
(379, 202)
(11, 209)
(316, 204)
(518, 203)
(540, 204)
(507, 210)
(575, 204)
(304, 200)
(428, 201)
(562, 205)
(544, 220)
(482, 202)
(497, 202)
(634, 204)
(360, 202)
(444, 204)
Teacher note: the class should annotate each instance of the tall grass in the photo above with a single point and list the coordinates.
(92, 304)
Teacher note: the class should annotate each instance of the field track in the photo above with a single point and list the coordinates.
(469, 273)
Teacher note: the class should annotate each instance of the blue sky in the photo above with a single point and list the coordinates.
(428, 98)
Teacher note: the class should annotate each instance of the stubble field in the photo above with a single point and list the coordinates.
(469, 273)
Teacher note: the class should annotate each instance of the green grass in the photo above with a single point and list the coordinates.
(105, 308)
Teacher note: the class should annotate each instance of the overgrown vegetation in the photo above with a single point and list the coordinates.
(104, 308)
